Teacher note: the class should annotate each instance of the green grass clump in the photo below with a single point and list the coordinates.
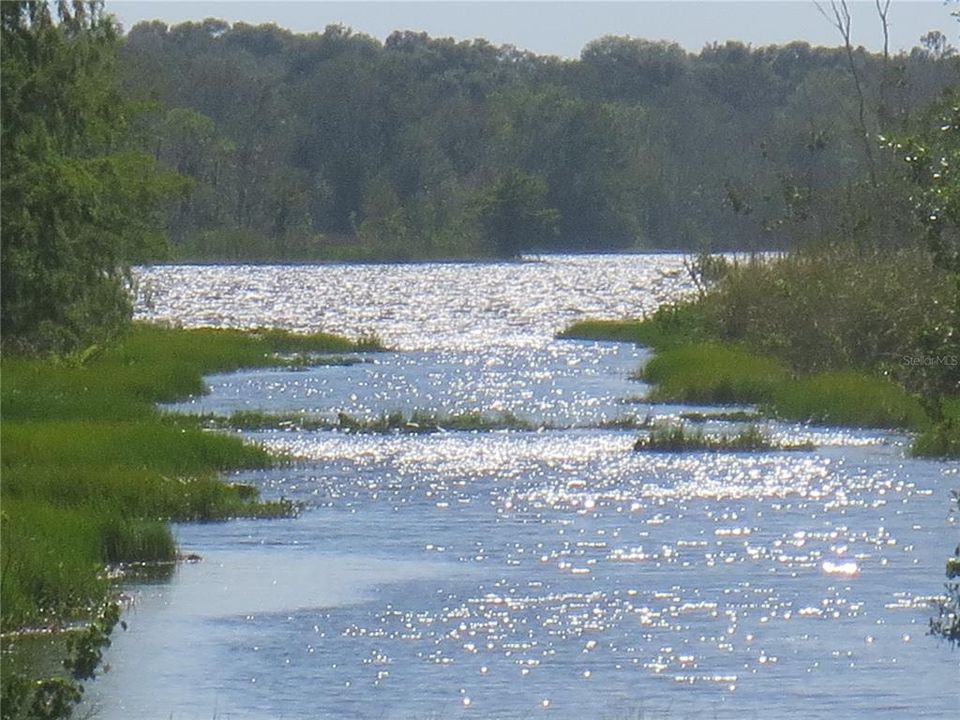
(710, 373)
(151, 364)
(92, 469)
(626, 422)
(670, 326)
(417, 422)
(612, 330)
(848, 398)
(676, 438)
(811, 336)
(941, 439)
(721, 374)
(427, 422)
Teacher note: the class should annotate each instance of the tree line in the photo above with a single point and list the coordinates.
(210, 141)
(337, 145)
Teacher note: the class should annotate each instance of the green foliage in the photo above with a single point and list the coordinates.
(720, 374)
(947, 623)
(91, 466)
(607, 330)
(419, 421)
(848, 398)
(514, 214)
(831, 307)
(941, 439)
(933, 157)
(428, 422)
(78, 202)
(735, 147)
(688, 370)
(712, 373)
(676, 438)
(670, 326)
(56, 697)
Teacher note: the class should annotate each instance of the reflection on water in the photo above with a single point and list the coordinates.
(553, 573)
(415, 307)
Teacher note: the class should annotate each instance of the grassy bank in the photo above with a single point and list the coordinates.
(695, 363)
(93, 470)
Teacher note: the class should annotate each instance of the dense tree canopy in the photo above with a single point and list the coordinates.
(77, 200)
(334, 144)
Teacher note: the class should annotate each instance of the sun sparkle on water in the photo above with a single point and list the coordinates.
(516, 574)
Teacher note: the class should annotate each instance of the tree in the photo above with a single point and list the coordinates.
(933, 158)
(78, 205)
(514, 215)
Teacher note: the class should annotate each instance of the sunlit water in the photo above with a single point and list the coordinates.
(515, 574)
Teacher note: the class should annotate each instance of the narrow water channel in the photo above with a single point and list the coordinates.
(516, 574)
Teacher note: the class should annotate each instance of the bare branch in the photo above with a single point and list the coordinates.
(839, 17)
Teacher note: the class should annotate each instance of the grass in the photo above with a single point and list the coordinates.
(942, 439)
(417, 422)
(687, 369)
(606, 330)
(676, 438)
(669, 327)
(92, 470)
(848, 398)
(715, 374)
(710, 373)
(732, 416)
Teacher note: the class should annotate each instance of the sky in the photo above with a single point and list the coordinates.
(563, 28)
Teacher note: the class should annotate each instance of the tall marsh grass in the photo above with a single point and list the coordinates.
(92, 469)
(826, 335)
(710, 373)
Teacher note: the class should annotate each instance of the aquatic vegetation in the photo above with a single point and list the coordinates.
(947, 623)
(57, 696)
(714, 374)
(848, 398)
(732, 416)
(720, 374)
(671, 326)
(419, 421)
(608, 330)
(941, 439)
(302, 361)
(627, 422)
(92, 469)
(676, 438)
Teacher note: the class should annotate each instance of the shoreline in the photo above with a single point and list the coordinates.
(95, 470)
(687, 368)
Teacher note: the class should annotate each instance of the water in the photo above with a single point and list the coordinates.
(526, 574)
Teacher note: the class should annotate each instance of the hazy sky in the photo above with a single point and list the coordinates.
(563, 28)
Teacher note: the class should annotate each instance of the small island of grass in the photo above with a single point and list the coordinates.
(417, 422)
(677, 439)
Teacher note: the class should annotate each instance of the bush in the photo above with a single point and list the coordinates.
(832, 308)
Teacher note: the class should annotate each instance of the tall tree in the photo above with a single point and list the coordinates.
(77, 204)
(514, 214)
